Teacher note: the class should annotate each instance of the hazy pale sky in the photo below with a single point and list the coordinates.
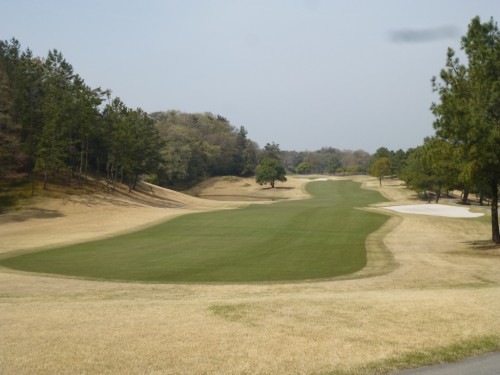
(302, 73)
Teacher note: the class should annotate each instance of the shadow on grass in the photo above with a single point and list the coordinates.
(7, 202)
(484, 245)
(279, 188)
(29, 213)
(94, 193)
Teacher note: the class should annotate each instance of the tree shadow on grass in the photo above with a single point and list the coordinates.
(142, 195)
(29, 213)
(7, 202)
(122, 199)
(279, 188)
(483, 245)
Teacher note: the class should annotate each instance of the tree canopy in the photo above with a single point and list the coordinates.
(202, 145)
(328, 160)
(432, 167)
(269, 171)
(381, 168)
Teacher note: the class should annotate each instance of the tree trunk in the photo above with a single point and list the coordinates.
(495, 232)
(109, 175)
(33, 182)
(80, 169)
(465, 196)
(438, 195)
(133, 183)
(45, 181)
(115, 176)
(86, 165)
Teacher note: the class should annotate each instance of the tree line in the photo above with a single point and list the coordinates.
(54, 126)
(329, 160)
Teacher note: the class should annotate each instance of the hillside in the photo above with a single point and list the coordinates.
(99, 214)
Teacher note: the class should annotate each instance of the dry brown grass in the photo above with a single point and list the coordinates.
(438, 289)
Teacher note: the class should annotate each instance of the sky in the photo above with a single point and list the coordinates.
(304, 74)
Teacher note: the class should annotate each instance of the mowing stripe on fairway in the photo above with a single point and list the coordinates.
(321, 237)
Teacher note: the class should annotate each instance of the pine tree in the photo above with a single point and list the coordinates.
(468, 114)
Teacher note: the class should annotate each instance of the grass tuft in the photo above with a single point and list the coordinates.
(231, 179)
(230, 312)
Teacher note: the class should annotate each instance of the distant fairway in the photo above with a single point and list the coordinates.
(314, 238)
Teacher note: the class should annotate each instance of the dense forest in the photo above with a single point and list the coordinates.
(52, 124)
(54, 128)
(196, 146)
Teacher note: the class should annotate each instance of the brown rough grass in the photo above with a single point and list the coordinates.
(435, 290)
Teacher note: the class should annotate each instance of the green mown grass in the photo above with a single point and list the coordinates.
(321, 237)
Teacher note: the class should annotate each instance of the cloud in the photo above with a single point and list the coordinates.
(423, 35)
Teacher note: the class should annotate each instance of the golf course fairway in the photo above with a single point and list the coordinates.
(316, 238)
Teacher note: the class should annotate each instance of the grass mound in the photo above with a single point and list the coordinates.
(320, 237)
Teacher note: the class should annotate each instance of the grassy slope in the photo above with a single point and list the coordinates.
(315, 238)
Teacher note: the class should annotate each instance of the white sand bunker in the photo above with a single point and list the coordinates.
(435, 210)
(321, 179)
